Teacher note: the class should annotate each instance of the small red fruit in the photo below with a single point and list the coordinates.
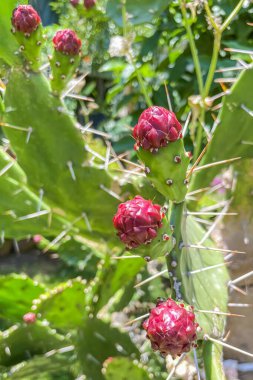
(171, 328)
(156, 127)
(67, 42)
(89, 3)
(74, 2)
(137, 221)
(25, 19)
(29, 318)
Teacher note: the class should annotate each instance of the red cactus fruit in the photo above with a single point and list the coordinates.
(137, 221)
(171, 328)
(67, 42)
(25, 19)
(156, 127)
(74, 2)
(89, 3)
(29, 318)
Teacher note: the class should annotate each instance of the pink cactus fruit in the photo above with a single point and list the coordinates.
(89, 3)
(25, 19)
(156, 127)
(74, 2)
(171, 328)
(67, 42)
(137, 221)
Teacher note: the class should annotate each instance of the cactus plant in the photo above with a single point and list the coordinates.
(61, 183)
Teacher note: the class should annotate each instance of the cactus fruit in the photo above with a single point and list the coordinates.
(25, 19)
(67, 42)
(171, 328)
(65, 58)
(28, 32)
(29, 318)
(137, 221)
(156, 127)
(89, 3)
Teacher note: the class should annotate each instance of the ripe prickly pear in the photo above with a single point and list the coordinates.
(28, 31)
(171, 328)
(25, 19)
(66, 58)
(29, 318)
(137, 221)
(156, 127)
(89, 3)
(74, 2)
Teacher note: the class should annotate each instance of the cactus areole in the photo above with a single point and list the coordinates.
(156, 127)
(171, 328)
(89, 3)
(137, 221)
(67, 42)
(25, 19)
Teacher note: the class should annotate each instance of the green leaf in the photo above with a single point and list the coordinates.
(16, 295)
(21, 342)
(233, 136)
(123, 369)
(64, 306)
(97, 341)
(139, 11)
(8, 45)
(206, 289)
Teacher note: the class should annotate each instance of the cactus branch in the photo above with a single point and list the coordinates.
(231, 16)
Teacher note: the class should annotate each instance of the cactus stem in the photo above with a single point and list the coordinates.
(213, 249)
(33, 215)
(233, 348)
(196, 363)
(136, 319)
(112, 193)
(151, 278)
(71, 169)
(196, 169)
(241, 278)
(86, 219)
(208, 268)
(246, 109)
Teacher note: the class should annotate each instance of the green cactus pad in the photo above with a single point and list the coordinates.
(119, 368)
(166, 170)
(233, 136)
(22, 341)
(16, 295)
(97, 341)
(63, 306)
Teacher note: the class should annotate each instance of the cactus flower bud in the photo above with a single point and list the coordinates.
(67, 42)
(171, 328)
(25, 19)
(156, 127)
(29, 318)
(137, 221)
(89, 3)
